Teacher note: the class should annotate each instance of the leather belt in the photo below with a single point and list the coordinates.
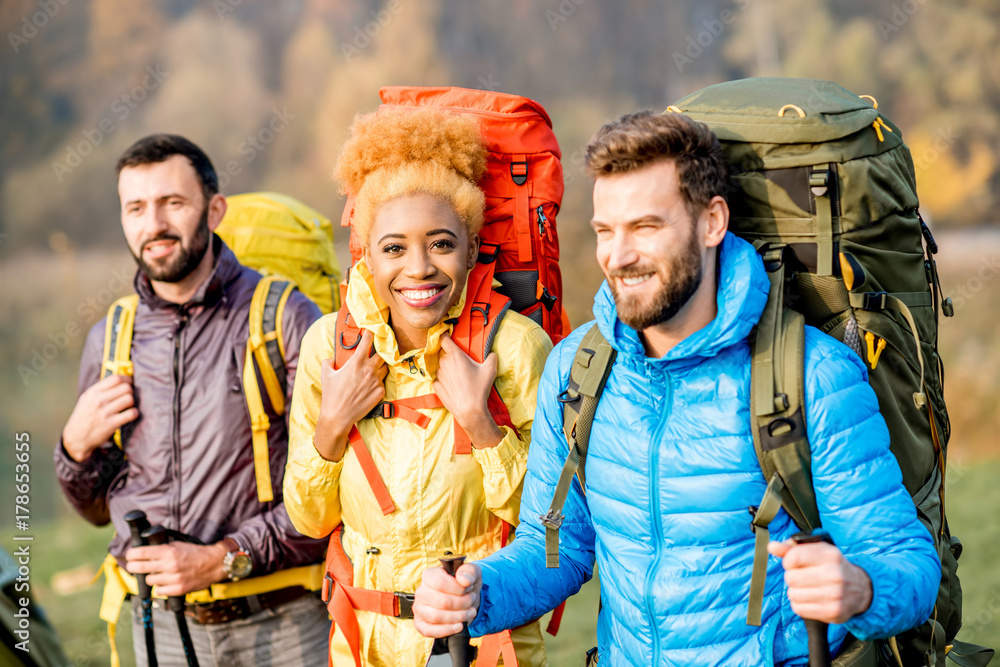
(223, 611)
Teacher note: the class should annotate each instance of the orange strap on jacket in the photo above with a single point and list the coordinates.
(371, 472)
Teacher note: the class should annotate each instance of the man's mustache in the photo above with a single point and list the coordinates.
(632, 272)
(161, 237)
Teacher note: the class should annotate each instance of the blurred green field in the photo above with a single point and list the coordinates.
(973, 501)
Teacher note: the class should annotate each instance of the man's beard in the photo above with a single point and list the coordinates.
(186, 261)
(679, 285)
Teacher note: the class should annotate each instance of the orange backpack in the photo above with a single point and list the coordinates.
(519, 247)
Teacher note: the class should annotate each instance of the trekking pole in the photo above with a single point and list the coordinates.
(138, 524)
(157, 535)
(461, 651)
(819, 647)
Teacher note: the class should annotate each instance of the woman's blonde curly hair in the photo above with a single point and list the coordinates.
(394, 153)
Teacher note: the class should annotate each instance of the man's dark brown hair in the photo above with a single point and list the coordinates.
(640, 139)
(158, 147)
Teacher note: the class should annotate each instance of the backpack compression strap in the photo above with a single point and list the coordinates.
(266, 347)
(118, 326)
(587, 377)
(777, 409)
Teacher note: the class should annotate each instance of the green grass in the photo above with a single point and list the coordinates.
(973, 500)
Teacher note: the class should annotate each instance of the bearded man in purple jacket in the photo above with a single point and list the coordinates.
(186, 457)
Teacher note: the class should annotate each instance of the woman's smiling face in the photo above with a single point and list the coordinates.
(419, 253)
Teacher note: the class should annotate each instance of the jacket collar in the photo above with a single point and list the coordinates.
(371, 312)
(225, 270)
(741, 294)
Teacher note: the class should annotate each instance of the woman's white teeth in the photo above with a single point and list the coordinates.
(420, 295)
(636, 280)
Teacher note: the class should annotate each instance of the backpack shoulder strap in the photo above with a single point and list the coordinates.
(117, 356)
(474, 331)
(347, 336)
(589, 373)
(777, 423)
(265, 347)
(267, 308)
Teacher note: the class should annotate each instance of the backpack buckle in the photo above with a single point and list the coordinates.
(385, 410)
(547, 299)
(874, 300)
(519, 172)
(753, 514)
(552, 519)
(488, 253)
(327, 589)
(404, 602)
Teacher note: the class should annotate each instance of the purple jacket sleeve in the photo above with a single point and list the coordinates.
(86, 483)
(269, 537)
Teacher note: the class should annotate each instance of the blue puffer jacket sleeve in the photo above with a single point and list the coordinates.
(860, 492)
(528, 588)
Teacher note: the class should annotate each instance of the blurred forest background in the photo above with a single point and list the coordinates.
(268, 89)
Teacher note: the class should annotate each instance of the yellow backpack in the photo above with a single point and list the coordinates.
(278, 235)
(291, 244)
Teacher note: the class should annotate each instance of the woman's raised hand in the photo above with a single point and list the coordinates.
(464, 388)
(349, 394)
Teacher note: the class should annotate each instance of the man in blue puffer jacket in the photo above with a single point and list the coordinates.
(671, 467)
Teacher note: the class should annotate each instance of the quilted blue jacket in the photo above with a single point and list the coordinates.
(671, 471)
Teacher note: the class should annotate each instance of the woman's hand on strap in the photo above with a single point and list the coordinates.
(464, 388)
(349, 394)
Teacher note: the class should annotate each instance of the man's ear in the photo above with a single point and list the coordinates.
(716, 219)
(216, 210)
(473, 251)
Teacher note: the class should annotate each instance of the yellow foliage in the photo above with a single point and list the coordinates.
(946, 184)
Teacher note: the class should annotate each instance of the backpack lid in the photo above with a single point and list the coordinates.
(748, 110)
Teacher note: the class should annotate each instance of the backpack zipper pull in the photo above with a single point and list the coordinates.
(874, 352)
(542, 221)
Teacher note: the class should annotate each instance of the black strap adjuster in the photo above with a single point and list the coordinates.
(327, 591)
(875, 300)
(519, 172)
(405, 601)
(548, 299)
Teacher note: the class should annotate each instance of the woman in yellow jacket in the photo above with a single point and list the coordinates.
(417, 212)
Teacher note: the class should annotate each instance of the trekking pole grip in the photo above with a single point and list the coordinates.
(461, 651)
(138, 524)
(819, 646)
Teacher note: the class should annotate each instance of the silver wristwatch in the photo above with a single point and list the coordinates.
(237, 563)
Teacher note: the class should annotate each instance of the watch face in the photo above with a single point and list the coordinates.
(240, 566)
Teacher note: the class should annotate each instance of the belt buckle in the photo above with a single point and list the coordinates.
(405, 601)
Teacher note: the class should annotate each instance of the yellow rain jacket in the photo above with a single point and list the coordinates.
(445, 502)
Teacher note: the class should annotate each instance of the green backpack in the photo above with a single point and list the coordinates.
(824, 188)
